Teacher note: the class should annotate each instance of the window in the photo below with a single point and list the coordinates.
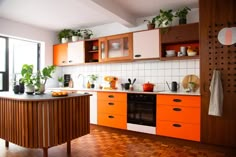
(3, 64)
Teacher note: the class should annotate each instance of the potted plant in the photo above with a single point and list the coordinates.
(165, 18)
(42, 77)
(86, 33)
(61, 81)
(151, 23)
(28, 78)
(64, 35)
(182, 15)
(92, 79)
(76, 35)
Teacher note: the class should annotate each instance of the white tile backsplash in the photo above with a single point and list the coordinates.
(157, 72)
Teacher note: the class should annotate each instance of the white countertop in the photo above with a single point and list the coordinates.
(117, 90)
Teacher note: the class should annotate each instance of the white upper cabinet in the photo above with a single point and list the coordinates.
(75, 52)
(146, 44)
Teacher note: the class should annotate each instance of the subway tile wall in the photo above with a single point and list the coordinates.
(154, 71)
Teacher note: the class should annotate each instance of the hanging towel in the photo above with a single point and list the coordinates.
(216, 97)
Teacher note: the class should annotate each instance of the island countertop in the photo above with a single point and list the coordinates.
(42, 97)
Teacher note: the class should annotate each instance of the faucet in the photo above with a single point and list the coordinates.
(81, 84)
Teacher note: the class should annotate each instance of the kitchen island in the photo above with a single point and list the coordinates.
(43, 121)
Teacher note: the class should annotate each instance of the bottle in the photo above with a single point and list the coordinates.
(88, 84)
(71, 83)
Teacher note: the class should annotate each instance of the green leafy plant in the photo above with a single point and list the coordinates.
(164, 18)
(151, 23)
(65, 33)
(93, 77)
(60, 79)
(27, 74)
(182, 13)
(87, 33)
(76, 33)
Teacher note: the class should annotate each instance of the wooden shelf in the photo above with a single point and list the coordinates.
(93, 51)
(179, 58)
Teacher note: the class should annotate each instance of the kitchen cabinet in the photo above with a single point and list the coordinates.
(91, 51)
(172, 38)
(68, 53)
(93, 107)
(116, 48)
(178, 116)
(112, 109)
(146, 44)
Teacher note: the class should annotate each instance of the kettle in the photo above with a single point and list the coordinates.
(174, 86)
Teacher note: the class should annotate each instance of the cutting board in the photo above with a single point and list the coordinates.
(191, 78)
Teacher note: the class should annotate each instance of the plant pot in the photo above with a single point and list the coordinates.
(29, 89)
(61, 84)
(41, 89)
(64, 40)
(75, 38)
(151, 26)
(182, 21)
(92, 85)
(164, 24)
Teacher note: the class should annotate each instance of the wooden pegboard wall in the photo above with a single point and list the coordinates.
(222, 57)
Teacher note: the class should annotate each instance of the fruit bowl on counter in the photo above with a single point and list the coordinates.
(59, 94)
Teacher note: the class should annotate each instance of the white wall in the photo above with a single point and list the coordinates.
(46, 37)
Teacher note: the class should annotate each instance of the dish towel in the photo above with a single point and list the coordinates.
(216, 97)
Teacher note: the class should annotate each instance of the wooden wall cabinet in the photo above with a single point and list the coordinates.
(116, 48)
(91, 51)
(178, 116)
(68, 53)
(112, 109)
(172, 38)
(146, 44)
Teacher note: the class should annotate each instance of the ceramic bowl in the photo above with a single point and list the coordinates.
(170, 52)
(115, 45)
(192, 53)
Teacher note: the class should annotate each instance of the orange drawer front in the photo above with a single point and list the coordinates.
(112, 96)
(179, 130)
(111, 120)
(178, 113)
(193, 101)
(114, 107)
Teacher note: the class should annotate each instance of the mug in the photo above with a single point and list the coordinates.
(183, 50)
(174, 86)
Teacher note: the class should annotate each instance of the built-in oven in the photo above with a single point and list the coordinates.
(141, 109)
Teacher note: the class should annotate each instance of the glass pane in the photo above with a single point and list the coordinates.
(2, 54)
(103, 50)
(118, 48)
(1, 81)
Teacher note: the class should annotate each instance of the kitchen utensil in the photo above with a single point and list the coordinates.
(174, 86)
(112, 82)
(148, 87)
(168, 85)
(129, 80)
(191, 78)
(127, 86)
(133, 81)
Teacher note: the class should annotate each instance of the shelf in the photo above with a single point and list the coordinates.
(179, 58)
(93, 51)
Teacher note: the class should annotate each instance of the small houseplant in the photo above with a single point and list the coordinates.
(182, 15)
(60, 80)
(151, 23)
(64, 35)
(86, 33)
(42, 77)
(165, 18)
(92, 79)
(76, 35)
(27, 78)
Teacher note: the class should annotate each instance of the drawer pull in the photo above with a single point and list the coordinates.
(111, 96)
(111, 117)
(63, 61)
(177, 125)
(110, 103)
(177, 100)
(177, 109)
(138, 55)
(70, 61)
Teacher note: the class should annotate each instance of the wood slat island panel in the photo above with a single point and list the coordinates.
(43, 121)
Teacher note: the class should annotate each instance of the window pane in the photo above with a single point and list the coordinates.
(2, 54)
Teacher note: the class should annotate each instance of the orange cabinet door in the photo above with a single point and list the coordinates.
(180, 100)
(60, 54)
(114, 107)
(178, 113)
(112, 96)
(179, 130)
(112, 120)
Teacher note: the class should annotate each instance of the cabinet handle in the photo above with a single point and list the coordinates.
(111, 117)
(177, 109)
(176, 125)
(70, 61)
(110, 103)
(63, 61)
(177, 100)
(111, 96)
(137, 55)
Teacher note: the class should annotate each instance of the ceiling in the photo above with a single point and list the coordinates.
(59, 14)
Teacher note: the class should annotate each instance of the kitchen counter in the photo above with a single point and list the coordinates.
(117, 90)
